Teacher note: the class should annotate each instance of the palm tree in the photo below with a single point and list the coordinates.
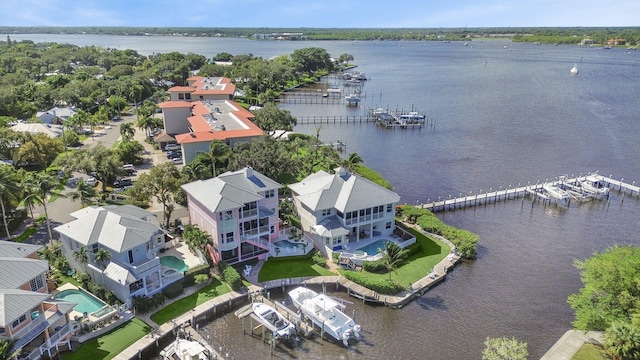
(393, 256)
(127, 131)
(40, 186)
(622, 340)
(82, 256)
(218, 150)
(146, 123)
(6, 349)
(102, 256)
(7, 189)
(85, 193)
(352, 160)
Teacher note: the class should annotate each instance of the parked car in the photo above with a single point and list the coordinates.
(129, 168)
(177, 160)
(174, 153)
(116, 118)
(92, 181)
(172, 147)
(122, 183)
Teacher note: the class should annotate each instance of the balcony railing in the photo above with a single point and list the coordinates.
(145, 265)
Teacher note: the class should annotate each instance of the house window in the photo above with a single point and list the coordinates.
(389, 207)
(327, 241)
(36, 283)
(326, 212)
(269, 194)
(228, 215)
(272, 230)
(229, 237)
(180, 96)
(20, 320)
(130, 256)
(94, 248)
(387, 225)
(187, 96)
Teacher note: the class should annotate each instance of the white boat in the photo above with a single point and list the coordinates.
(595, 186)
(326, 313)
(555, 192)
(274, 320)
(574, 69)
(183, 349)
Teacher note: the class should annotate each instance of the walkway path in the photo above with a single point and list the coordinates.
(570, 343)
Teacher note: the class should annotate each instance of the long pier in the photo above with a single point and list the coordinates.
(535, 191)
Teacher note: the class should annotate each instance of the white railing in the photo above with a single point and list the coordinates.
(145, 265)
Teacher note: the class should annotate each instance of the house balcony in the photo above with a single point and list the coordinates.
(141, 267)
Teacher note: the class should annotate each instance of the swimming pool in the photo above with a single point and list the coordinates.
(289, 244)
(372, 249)
(173, 262)
(87, 303)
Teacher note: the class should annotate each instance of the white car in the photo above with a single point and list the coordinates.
(92, 181)
(172, 147)
(177, 160)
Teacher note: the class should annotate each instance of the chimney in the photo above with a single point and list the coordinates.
(248, 171)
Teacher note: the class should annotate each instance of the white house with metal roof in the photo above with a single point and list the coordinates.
(132, 236)
(239, 210)
(28, 315)
(342, 208)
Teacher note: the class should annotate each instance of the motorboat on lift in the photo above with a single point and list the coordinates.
(281, 326)
(183, 349)
(592, 184)
(326, 313)
(556, 192)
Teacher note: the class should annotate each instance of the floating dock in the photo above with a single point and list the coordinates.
(536, 191)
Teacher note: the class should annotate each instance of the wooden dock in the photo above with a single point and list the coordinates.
(534, 191)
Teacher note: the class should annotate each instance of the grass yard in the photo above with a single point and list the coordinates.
(590, 352)
(290, 267)
(110, 344)
(179, 307)
(418, 265)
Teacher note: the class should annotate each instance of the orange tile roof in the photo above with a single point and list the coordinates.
(202, 130)
(175, 104)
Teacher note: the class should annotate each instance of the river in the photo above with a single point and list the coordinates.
(505, 114)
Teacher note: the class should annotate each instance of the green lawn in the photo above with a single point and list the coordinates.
(111, 344)
(590, 352)
(290, 267)
(172, 311)
(418, 265)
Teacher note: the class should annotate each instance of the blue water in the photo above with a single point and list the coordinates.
(288, 244)
(504, 114)
(372, 249)
(86, 302)
(173, 262)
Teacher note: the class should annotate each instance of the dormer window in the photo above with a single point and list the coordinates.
(269, 194)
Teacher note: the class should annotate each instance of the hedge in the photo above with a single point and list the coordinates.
(380, 286)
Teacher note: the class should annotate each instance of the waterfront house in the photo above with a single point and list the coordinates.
(239, 210)
(342, 208)
(132, 237)
(39, 324)
(204, 111)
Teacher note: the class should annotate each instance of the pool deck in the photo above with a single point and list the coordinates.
(181, 251)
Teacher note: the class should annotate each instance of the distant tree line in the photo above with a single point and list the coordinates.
(561, 34)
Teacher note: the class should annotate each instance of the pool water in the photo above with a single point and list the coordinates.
(173, 262)
(372, 249)
(87, 303)
(289, 244)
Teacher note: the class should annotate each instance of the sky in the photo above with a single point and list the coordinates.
(321, 14)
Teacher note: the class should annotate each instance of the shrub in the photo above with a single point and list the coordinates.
(230, 275)
(189, 275)
(173, 290)
(144, 304)
(319, 260)
(377, 266)
(201, 278)
(380, 286)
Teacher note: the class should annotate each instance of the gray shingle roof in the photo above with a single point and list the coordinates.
(118, 228)
(17, 271)
(16, 302)
(343, 191)
(230, 190)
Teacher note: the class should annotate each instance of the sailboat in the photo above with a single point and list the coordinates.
(574, 69)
